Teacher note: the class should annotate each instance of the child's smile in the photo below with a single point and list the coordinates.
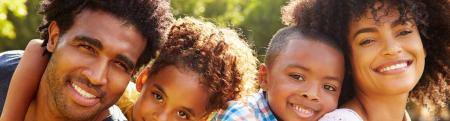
(304, 81)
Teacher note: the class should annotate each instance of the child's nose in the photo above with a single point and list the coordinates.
(160, 115)
(311, 93)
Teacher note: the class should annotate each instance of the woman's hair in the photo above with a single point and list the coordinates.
(225, 62)
(432, 18)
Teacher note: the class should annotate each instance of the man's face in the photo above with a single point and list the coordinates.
(91, 64)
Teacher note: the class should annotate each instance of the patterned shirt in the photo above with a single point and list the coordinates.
(250, 108)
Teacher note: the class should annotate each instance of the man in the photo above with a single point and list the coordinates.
(94, 48)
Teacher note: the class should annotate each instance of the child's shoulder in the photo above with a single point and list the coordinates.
(342, 114)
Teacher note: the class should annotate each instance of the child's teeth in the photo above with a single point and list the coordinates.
(82, 92)
(302, 110)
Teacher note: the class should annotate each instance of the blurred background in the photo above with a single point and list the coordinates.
(256, 20)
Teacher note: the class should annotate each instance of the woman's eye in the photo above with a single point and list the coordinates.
(406, 32)
(158, 97)
(183, 115)
(366, 42)
(297, 77)
(329, 87)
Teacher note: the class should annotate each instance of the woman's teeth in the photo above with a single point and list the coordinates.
(393, 67)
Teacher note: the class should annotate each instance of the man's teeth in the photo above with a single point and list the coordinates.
(302, 110)
(392, 67)
(82, 92)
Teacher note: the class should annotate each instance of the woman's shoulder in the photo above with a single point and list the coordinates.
(342, 114)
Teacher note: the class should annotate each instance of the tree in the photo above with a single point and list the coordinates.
(258, 20)
(20, 24)
(18, 8)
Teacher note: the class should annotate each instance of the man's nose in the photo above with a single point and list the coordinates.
(96, 72)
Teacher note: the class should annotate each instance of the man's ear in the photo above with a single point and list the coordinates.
(53, 36)
(141, 79)
(262, 76)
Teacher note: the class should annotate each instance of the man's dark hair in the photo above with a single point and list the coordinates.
(150, 17)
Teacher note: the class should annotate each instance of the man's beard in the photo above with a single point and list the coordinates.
(57, 82)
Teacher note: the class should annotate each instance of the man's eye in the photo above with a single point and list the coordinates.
(87, 48)
(298, 77)
(366, 42)
(183, 115)
(122, 65)
(158, 97)
(329, 87)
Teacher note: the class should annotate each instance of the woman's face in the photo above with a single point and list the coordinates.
(387, 55)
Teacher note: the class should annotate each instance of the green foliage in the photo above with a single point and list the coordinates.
(18, 8)
(258, 20)
(23, 20)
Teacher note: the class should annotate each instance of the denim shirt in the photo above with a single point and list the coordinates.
(8, 63)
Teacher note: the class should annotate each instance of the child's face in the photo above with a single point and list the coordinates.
(387, 56)
(172, 94)
(304, 81)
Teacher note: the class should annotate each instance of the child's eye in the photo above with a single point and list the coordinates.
(329, 87)
(366, 42)
(183, 115)
(297, 77)
(158, 97)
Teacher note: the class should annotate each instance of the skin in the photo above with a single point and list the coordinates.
(172, 94)
(30, 70)
(380, 94)
(307, 74)
(97, 54)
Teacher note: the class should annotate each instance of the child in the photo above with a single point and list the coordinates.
(301, 79)
(198, 70)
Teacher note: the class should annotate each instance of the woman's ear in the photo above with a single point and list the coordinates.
(262, 76)
(53, 36)
(141, 79)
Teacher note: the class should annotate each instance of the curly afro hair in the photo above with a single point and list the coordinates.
(432, 18)
(150, 17)
(225, 62)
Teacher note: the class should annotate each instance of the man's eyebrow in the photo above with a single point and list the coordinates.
(92, 41)
(365, 30)
(127, 61)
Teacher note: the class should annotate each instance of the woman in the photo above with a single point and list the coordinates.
(399, 51)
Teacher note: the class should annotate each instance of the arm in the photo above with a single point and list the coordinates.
(29, 70)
